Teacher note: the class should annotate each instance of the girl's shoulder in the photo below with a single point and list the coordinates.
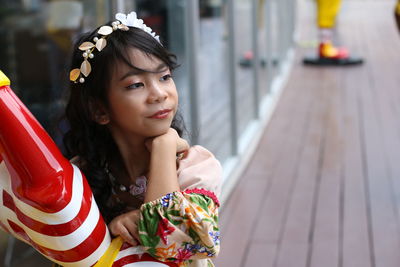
(196, 155)
(200, 169)
(199, 151)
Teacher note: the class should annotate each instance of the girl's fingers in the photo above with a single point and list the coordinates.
(125, 226)
(132, 229)
(182, 145)
(124, 233)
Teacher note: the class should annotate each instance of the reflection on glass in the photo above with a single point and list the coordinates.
(39, 36)
(275, 36)
(245, 79)
(214, 107)
(263, 47)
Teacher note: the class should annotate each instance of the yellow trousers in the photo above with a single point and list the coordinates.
(327, 11)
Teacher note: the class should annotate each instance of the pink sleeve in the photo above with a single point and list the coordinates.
(200, 170)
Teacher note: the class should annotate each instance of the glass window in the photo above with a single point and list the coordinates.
(34, 53)
(244, 66)
(275, 36)
(213, 73)
(263, 47)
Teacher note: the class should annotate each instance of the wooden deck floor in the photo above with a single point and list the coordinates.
(323, 188)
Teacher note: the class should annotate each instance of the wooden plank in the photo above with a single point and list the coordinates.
(357, 239)
(266, 157)
(325, 234)
(384, 220)
(235, 235)
(264, 162)
(384, 227)
(294, 243)
(387, 96)
(260, 254)
(273, 210)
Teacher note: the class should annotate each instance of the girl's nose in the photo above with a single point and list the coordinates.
(157, 94)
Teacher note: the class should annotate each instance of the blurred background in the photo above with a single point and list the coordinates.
(216, 42)
(243, 91)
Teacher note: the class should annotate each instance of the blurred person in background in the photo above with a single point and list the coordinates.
(328, 53)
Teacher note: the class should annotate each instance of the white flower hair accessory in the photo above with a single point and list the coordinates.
(123, 23)
(131, 20)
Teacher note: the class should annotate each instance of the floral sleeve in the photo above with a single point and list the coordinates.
(181, 226)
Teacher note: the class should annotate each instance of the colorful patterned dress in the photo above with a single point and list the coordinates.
(182, 227)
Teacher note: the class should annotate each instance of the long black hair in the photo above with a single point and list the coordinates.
(87, 139)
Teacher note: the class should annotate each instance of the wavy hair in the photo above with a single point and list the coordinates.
(92, 142)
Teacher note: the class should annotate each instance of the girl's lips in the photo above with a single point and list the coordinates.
(162, 114)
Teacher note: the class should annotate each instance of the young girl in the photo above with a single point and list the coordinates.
(152, 189)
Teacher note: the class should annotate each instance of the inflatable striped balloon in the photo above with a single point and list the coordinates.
(46, 201)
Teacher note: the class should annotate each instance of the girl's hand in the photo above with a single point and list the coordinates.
(125, 225)
(163, 178)
(170, 138)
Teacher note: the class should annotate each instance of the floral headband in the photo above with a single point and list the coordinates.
(123, 23)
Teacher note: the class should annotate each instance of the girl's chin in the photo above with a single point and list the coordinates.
(158, 128)
(158, 132)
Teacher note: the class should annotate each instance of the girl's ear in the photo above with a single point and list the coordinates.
(102, 119)
(98, 112)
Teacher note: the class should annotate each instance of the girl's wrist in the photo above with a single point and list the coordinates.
(164, 145)
(162, 153)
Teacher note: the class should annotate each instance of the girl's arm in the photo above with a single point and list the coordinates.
(163, 178)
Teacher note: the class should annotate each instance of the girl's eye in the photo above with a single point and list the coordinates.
(135, 86)
(166, 77)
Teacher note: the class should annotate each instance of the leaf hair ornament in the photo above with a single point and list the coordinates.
(123, 23)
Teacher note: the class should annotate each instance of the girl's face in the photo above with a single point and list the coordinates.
(141, 104)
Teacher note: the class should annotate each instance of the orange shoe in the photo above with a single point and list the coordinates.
(329, 55)
(327, 50)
